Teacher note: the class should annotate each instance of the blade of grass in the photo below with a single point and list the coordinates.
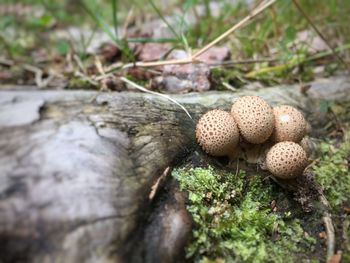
(151, 40)
(159, 13)
(88, 41)
(133, 84)
(308, 19)
(191, 59)
(6, 45)
(207, 8)
(100, 22)
(243, 22)
(115, 17)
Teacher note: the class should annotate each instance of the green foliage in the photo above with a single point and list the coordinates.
(62, 47)
(272, 34)
(234, 221)
(332, 171)
(209, 27)
(92, 9)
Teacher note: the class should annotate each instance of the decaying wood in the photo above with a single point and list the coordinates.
(77, 169)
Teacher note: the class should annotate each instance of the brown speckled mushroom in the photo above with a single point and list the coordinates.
(217, 133)
(290, 124)
(254, 118)
(286, 160)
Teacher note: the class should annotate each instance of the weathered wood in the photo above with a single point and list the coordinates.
(77, 169)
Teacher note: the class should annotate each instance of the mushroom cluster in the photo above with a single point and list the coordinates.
(279, 131)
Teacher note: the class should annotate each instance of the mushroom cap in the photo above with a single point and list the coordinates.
(217, 133)
(290, 124)
(286, 160)
(254, 118)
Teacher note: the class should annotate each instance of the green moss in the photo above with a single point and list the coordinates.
(332, 171)
(233, 219)
(80, 83)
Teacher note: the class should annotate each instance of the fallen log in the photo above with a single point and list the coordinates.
(79, 170)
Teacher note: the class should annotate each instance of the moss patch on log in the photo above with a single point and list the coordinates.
(332, 171)
(234, 219)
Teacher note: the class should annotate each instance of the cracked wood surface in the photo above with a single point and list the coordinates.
(77, 168)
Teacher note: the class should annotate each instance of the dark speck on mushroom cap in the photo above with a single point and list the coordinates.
(254, 117)
(217, 133)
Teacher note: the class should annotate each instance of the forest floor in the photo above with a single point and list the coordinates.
(239, 215)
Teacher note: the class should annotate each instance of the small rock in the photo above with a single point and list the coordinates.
(182, 78)
(153, 51)
(215, 55)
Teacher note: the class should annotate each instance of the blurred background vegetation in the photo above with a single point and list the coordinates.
(30, 32)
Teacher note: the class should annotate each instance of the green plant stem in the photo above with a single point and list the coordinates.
(6, 46)
(151, 40)
(115, 17)
(296, 61)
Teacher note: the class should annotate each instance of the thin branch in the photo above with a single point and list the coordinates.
(79, 63)
(133, 84)
(243, 22)
(158, 63)
(242, 62)
(330, 235)
(301, 10)
(38, 73)
(327, 220)
(6, 62)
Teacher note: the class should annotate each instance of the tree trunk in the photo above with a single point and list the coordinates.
(79, 170)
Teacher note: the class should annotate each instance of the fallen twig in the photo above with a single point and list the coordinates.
(38, 73)
(6, 62)
(228, 86)
(86, 78)
(327, 220)
(158, 183)
(192, 59)
(79, 63)
(330, 235)
(243, 22)
(242, 62)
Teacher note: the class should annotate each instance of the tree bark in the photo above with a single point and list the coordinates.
(79, 170)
